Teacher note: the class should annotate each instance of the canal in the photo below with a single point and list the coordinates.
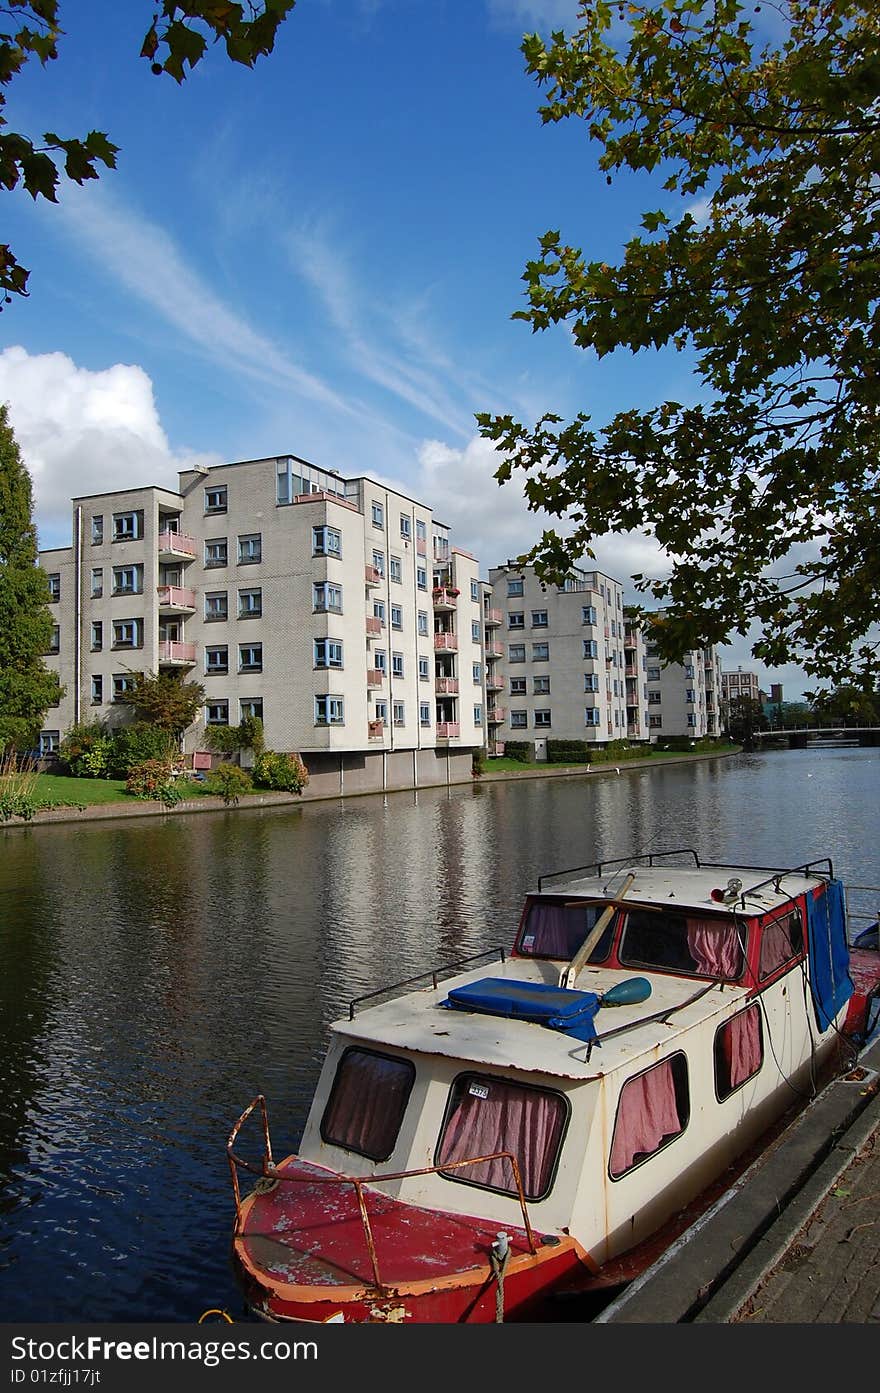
(157, 974)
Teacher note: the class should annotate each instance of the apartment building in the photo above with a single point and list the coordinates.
(735, 685)
(563, 662)
(335, 609)
(683, 698)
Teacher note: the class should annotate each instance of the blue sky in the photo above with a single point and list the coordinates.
(320, 256)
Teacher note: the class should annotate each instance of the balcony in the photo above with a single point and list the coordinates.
(446, 686)
(372, 576)
(494, 684)
(448, 730)
(631, 670)
(375, 677)
(494, 650)
(374, 626)
(421, 546)
(445, 597)
(446, 643)
(492, 617)
(496, 716)
(633, 728)
(173, 653)
(174, 599)
(376, 730)
(176, 546)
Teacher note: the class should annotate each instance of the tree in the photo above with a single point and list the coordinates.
(166, 701)
(846, 704)
(176, 40)
(744, 717)
(27, 688)
(769, 278)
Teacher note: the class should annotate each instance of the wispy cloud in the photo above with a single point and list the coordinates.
(544, 15)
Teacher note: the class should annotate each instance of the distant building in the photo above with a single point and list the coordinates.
(739, 684)
(683, 698)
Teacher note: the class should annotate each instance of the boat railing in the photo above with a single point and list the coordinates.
(862, 904)
(433, 973)
(267, 1171)
(773, 875)
(598, 868)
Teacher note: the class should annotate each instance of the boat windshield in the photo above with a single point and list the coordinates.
(556, 928)
(686, 944)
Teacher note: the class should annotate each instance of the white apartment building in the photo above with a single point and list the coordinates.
(334, 609)
(564, 663)
(684, 698)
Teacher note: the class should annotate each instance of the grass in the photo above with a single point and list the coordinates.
(503, 764)
(60, 788)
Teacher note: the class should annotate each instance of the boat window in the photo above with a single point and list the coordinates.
(680, 943)
(653, 1109)
(367, 1102)
(486, 1115)
(557, 928)
(781, 941)
(739, 1051)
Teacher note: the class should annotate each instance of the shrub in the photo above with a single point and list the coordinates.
(280, 772)
(228, 740)
(229, 782)
(85, 750)
(135, 745)
(568, 752)
(479, 762)
(154, 779)
(522, 750)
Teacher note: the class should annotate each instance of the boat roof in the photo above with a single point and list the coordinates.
(760, 888)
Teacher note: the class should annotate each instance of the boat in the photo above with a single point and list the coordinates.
(489, 1139)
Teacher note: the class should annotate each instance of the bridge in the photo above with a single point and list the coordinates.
(805, 737)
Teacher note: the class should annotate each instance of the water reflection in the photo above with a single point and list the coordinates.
(157, 975)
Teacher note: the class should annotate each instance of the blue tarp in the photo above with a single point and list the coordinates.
(559, 1008)
(830, 982)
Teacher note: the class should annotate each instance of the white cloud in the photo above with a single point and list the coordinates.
(81, 432)
(545, 14)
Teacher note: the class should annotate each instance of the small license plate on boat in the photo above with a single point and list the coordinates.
(479, 1090)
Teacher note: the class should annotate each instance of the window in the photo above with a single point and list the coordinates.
(215, 552)
(128, 633)
(405, 526)
(396, 617)
(421, 531)
(215, 500)
(97, 529)
(328, 652)
(250, 706)
(477, 671)
(397, 664)
(485, 1114)
(653, 674)
(558, 928)
(591, 681)
(516, 652)
(476, 631)
(55, 640)
(329, 711)
(683, 944)
(250, 549)
(128, 580)
(540, 652)
(327, 597)
(378, 515)
(217, 713)
(542, 720)
(516, 619)
(381, 711)
(250, 604)
(128, 527)
(421, 578)
(424, 713)
(589, 614)
(515, 587)
(97, 691)
(97, 637)
(591, 648)
(475, 590)
(517, 686)
(54, 586)
(692, 719)
(215, 606)
(97, 582)
(367, 1103)
(539, 619)
(654, 699)
(478, 715)
(739, 1051)
(591, 716)
(395, 571)
(423, 622)
(399, 713)
(781, 942)
(541, 686)
(519, 720)
(379, 562)
(379, 611)
(49, 741)
(690, 695)
(655, 722)
(380, 660)
(424, 670)
(250, 657)
(326, 541)
(217, 659)
(123, 685)
(653, 1109)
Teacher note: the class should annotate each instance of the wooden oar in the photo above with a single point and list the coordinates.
(568, 975)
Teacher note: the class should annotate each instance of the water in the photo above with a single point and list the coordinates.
(159, 974)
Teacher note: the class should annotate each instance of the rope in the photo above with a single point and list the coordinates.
(499, 1263)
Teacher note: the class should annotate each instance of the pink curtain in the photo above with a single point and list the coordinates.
(741, 1043)
(552, 933)
(776, 949)
(714, 946)
(646, 1114)
(367, 1103)
(524, 1121)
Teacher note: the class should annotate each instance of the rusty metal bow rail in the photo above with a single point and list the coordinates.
(268, 1171)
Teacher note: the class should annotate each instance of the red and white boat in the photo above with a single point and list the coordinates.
(477, 1147)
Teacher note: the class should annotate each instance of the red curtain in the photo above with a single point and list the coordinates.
(492, 1116)
(742, 1047)
(646, 1114)
(714, 946)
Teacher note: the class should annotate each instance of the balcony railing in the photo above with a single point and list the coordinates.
(494, 684)
(445, 597)
(372, 576)
(375, 677)
(374, 626)
(496, 715)
(446, 643)
(446, 686)
(492, 616)
(494, 650)
(376, 730)
(177, 544)
(175, 653)
(175, 597)
(448, 730)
